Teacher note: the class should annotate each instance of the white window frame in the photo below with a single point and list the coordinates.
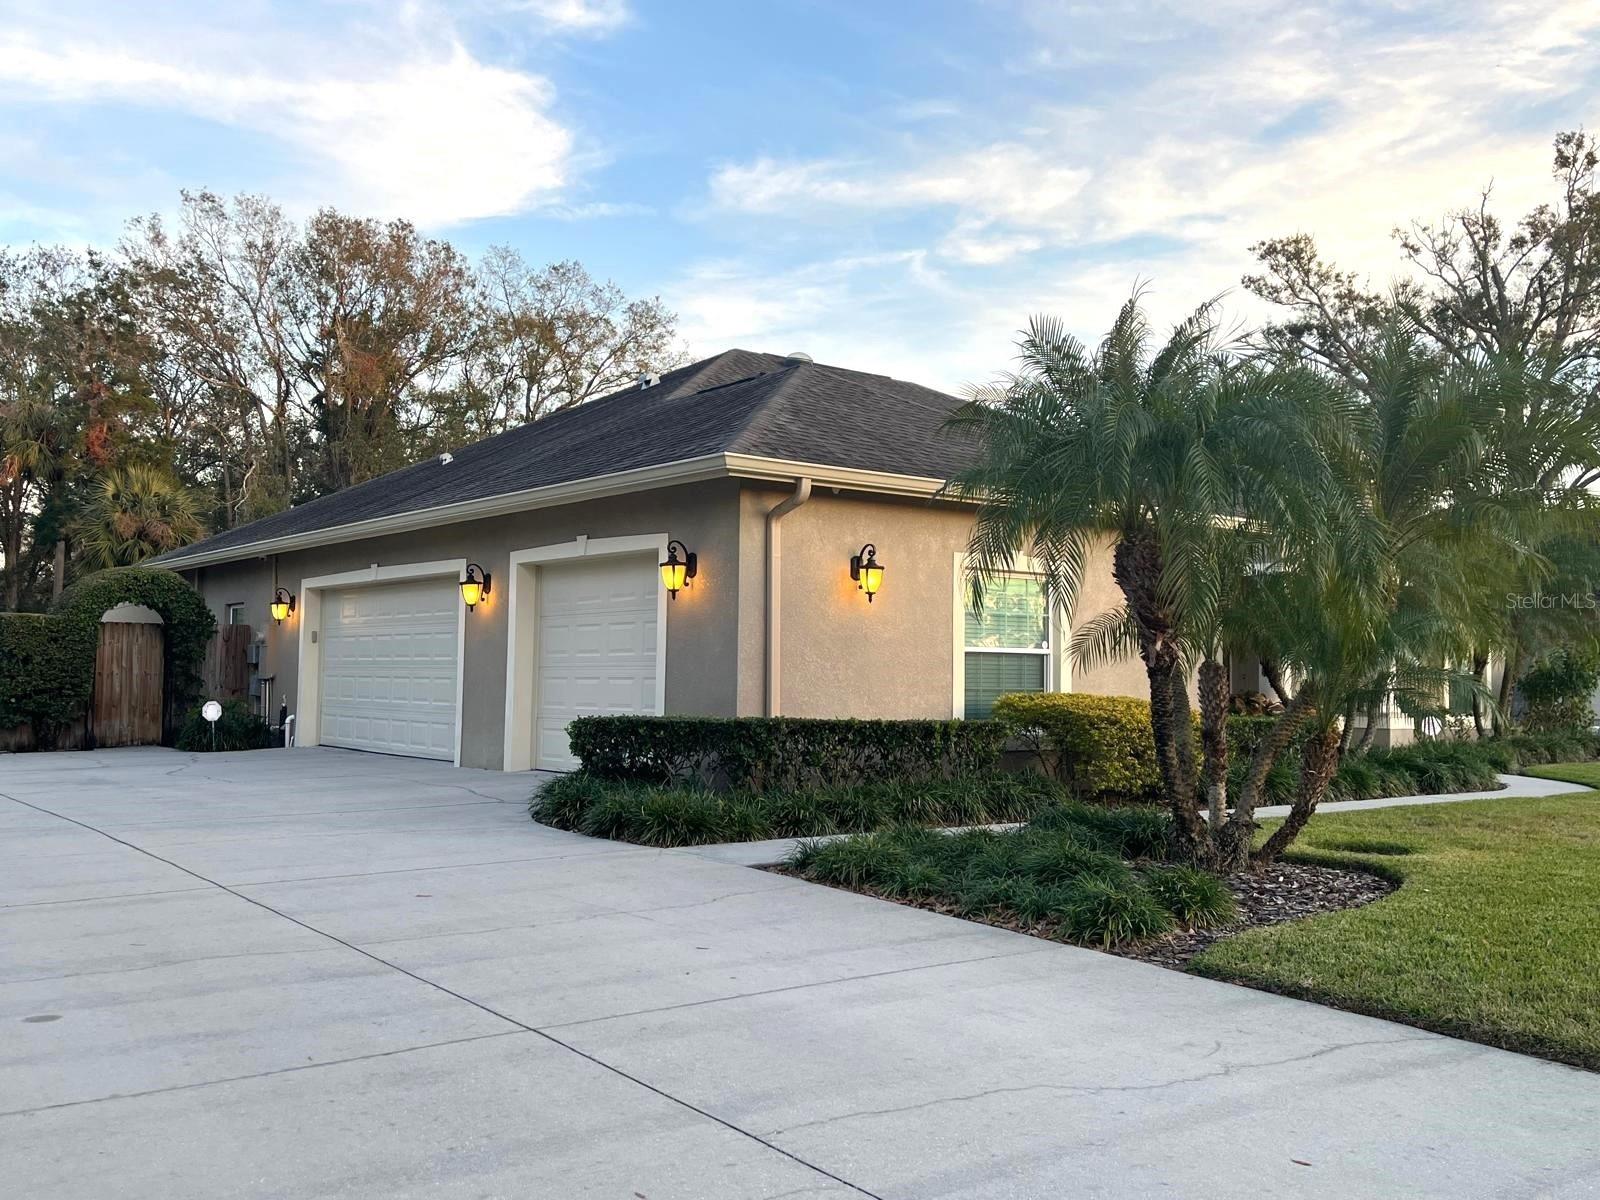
(522, 632)
(1057, 663)
(308, 700)
(230, 610)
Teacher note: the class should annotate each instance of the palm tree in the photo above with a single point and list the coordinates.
(136, 512)
(1174, 454)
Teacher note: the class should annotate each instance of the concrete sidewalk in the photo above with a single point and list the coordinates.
(775, 850)
(317, 973)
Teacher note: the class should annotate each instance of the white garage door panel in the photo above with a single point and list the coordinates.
(597, 647)
(389, 668)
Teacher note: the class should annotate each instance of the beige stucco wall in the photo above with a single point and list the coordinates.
(895, 657)
(840, 656)
(700, 675)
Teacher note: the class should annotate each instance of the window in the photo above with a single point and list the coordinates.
(1007, 647)
(236, 614)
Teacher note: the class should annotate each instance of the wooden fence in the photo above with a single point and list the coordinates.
(128, 670)
(225, 675)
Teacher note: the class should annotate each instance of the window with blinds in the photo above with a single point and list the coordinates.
(1008, 643)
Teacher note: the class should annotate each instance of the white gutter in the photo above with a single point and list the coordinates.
(802, 493)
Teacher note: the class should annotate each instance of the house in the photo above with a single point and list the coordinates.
(773, 473)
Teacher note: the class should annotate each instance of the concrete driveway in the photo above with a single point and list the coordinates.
(318, 973)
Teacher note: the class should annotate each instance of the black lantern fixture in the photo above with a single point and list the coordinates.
(475, 586)
(282, 605)
(676, 572)
(867, 571)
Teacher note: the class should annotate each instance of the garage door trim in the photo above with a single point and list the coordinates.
(308, 707)
(522, 631)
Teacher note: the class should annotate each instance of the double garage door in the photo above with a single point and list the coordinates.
(390, 658)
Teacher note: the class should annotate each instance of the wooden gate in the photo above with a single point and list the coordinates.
(225, 674)
(128, 669)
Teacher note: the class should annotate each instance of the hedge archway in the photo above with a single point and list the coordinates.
(189, 626)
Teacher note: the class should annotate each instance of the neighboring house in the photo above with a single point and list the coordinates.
(772, 471)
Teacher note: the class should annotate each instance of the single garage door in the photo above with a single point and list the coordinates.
(597, 647)
(389, 668)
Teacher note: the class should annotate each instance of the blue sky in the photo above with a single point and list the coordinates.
(889, 186)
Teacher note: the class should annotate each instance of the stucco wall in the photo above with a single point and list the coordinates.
(701, 672)
(842, 657)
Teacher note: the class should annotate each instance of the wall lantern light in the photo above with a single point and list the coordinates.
(282, 605)
(676, 572)
(475, 586)
(867, 571)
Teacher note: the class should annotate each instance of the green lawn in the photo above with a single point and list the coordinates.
(1494, 935)
(1586, 773)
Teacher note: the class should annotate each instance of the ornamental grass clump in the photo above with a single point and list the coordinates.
(1196, 899)
(1100, 913)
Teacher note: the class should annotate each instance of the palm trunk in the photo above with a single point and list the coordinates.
(1136, 566)
(58, 568)
(1233, 838)
(1480, 664)
(1374, 711)
(1319, 759)
(1214, 740)
(1274, 676)
(1508, 681)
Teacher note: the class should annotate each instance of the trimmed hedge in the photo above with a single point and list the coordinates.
(1102, 744)
(47, 660)
(769, 753)
(237, 729)
(46, 672)
(687, 815)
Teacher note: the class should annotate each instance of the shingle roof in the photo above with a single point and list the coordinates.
(738, 402)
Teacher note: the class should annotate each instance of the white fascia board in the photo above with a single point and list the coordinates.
(688, 470)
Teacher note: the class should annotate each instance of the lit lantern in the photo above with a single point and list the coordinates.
(676, 572)
(282, 605)
(867, 571)
(475, 586)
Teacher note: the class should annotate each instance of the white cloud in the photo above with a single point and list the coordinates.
(1193, 132)
(395, 120)
(579, 16)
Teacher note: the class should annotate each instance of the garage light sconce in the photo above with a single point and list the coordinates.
(676, 572)
(867, 571)
(475, 586)
(282, 605)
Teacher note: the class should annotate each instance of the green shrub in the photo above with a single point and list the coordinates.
(1058, 857)
(1125, 832)
(46, 671)
(868, 860)
(773, 753)
(1197, 899)
(237, 729)
(689, 814)
(1099, 913)
(1102, 745)
(1559, 688)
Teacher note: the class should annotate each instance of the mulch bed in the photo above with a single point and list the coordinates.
(1285, 892)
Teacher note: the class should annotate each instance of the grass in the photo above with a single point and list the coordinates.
(1493, 935)
(683, 815)
(1587, 774)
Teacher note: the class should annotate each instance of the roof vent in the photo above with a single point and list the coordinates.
(648, 379)
(446, 459)
(798, 356)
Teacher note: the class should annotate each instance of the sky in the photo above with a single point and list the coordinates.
(894, 187)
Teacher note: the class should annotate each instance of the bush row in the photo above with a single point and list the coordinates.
(691, 815)
(1066, 875)
(767, 753)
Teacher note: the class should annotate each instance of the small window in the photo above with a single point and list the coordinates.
(236, 614)
(1008, 645)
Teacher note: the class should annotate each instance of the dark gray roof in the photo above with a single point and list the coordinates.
(738, 402)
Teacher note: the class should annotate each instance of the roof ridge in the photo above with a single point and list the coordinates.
(755, 421)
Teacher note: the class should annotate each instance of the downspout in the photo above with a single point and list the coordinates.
(802, 493)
